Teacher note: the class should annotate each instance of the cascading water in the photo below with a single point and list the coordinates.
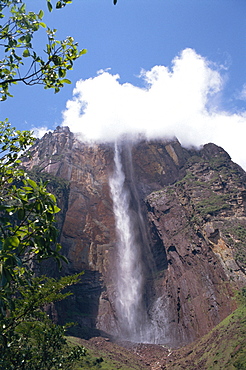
(129, 274)
(135, 324)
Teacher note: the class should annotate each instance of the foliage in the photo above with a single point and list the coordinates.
(30, 297)
(217, 162)
(222, 348)
(241, 296)
(27, 214)
(62, 3)
(29, 340)
(214, 203)
(107, 356)
(235, 236)
(21, 63)
(57, 185)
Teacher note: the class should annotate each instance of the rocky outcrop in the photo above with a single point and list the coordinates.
(201, 222)
(193, 207)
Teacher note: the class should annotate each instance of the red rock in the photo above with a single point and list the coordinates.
(189, 245)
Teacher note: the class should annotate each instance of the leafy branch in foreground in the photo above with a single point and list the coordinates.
(62, 3)
(21, 63)
(27, 216)
(26, 209)
(29, 340)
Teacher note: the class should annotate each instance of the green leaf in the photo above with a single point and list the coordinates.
(59, 5)
(11, 241)
(83, 51)
(41, 14)
(56, 209)
(32, 183)
(58, 247)
(49, 6)
(21, 213)
(62, 72)
(42, 24)
(52, 196)
(28, 38)
(26, 53)
(22, 8)
(6, 276)
(66, 81)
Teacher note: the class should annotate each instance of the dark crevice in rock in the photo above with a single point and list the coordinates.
(214, 236)
(172, 249)
(158, 251)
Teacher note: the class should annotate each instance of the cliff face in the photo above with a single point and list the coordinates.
(201, 222)
(192, 230)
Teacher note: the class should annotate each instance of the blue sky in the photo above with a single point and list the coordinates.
(138, 35)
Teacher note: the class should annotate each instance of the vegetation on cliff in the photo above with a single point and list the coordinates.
(215, 187)
(222, 348)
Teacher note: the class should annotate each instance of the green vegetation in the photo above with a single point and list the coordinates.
(58, 186)
(217, 162)
(27, 212)
(222, 348)
(206, 201)
(213, 204)
(188, 178)
(21, 63)
(109, 357)
(239, 232)
(28, 338)
(236, 238)
(195, 159)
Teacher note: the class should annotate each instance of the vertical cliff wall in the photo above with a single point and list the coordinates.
(192, 231)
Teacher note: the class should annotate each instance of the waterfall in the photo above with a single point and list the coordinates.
(129, 272)
(135, 324)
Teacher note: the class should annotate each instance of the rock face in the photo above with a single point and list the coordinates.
(198, 220)
(192, 205)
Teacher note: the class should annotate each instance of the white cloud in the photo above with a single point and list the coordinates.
(39, 132)
(181, 101)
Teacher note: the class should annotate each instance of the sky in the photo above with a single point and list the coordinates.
(162, 68)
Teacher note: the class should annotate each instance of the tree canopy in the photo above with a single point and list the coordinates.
(28, 338)
(20, 61)
(27, 211)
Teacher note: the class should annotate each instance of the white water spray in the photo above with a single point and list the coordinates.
(129, 274)
(135, 324)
